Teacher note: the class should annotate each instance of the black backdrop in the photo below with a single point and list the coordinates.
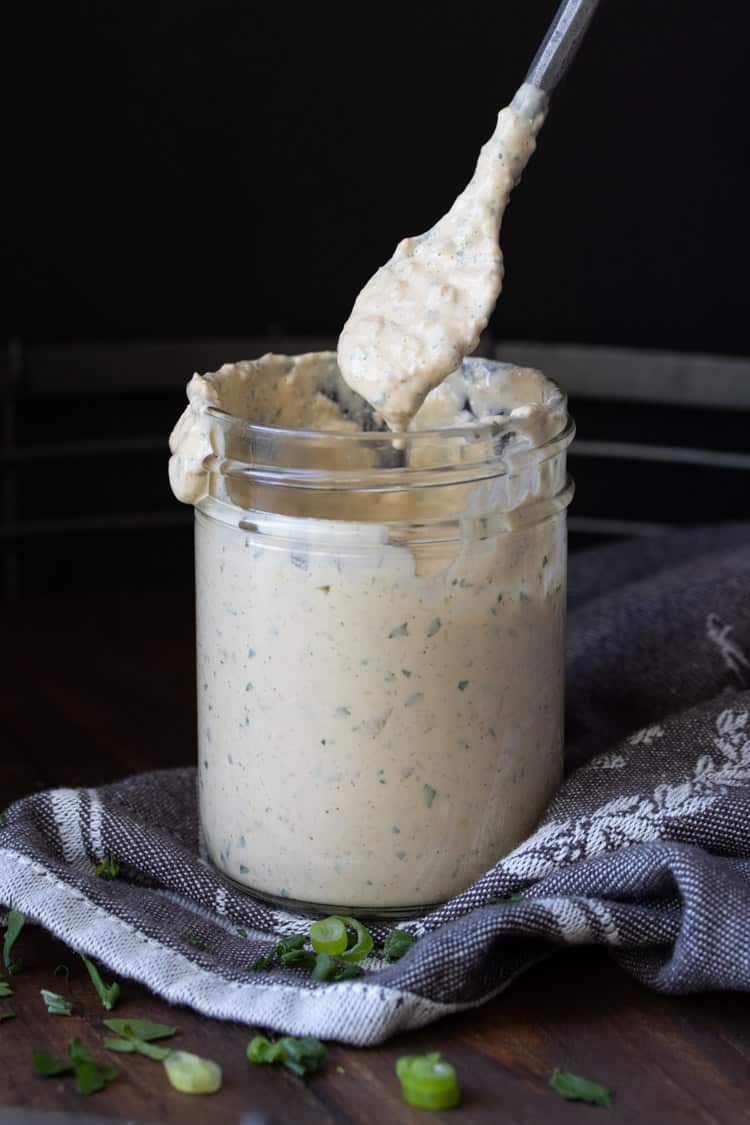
(217, 167)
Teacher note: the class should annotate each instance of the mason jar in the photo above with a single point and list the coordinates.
(380, 652)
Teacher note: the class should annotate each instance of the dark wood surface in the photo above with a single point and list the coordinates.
(96, 687)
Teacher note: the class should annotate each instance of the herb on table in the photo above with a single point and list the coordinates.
(191, 1074)
(108, 995)
(428, 1081)
(7, 1014)
(13, 926)
(137, 1036)
(107, 867)
(397, 944)
(576, 1089)
(5, 989)
(90, 1076)
(462, 685)
(47, 1066)
(56, 1005)
(434, 627)
(302, 1056)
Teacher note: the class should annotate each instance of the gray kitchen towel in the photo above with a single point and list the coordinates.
(644, 850)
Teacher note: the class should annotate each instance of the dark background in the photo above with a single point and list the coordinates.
(212, 168)
(186, 171)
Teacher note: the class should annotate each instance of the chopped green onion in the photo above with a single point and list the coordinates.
(137, 1036)
(56, 1005)
(108, 995)
(299, 957)
(427, 1081)
(191, 1074)
(107, 867)
(329, 969)
(5, 989)
(360, 941)
(301, 1056)
(576, 1089)
(328, 935)
(90, 1076)
(46, 1066)
(397, 944)
(140, 1029)
(13, 926)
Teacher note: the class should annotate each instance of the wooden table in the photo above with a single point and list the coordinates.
(99, 686)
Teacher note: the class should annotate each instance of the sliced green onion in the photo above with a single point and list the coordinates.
(428, 1081)
(56, 1005)
(301, 1056)
(191, 1074)
(328, 935)
(362, 943)
(397, 944)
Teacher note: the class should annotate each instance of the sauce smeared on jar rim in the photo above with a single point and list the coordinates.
(425, 309)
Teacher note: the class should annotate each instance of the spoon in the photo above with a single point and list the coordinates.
(425, 309)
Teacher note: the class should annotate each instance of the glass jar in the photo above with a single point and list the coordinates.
(380, 624)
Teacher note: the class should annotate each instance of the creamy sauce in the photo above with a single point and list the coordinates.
(371, 737)
(425, 309)
(380, 718)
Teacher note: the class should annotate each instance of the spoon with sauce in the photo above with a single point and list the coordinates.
(425, 309)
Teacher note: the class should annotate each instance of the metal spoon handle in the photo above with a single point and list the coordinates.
(560, 44)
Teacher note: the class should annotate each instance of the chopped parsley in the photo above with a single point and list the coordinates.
(109, 995)
(90, 1076)
(434, 627)
(429, 795)
(137, 1036)
(107, 867)
(145, 1030)
(56, 1005)
(331, 969)
(576, 1089)
(302, 1056)
(462, 685)
(13, 926)
(397, 944)
(353, 943)
(400, 631)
